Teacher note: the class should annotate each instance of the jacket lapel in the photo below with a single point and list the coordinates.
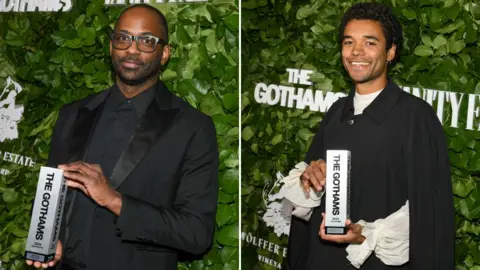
(82, 130)
(157, 118)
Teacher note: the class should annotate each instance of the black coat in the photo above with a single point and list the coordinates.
(167, 177)
(398, 153)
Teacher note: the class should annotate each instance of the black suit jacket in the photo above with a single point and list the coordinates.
(168, 178)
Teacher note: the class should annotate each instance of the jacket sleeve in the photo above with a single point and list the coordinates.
(189, 224)
(432, 229)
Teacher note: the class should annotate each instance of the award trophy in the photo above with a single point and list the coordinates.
(337, 208)
(46, 215)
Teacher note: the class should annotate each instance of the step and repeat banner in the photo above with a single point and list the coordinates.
(53, 52)
(292, 74)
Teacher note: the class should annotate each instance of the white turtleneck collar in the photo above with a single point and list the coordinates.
(360, 102)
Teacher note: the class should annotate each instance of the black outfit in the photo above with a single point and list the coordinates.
(161, 155)
(399, 153)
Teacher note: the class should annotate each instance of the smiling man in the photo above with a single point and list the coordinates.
(401, 193)
(140, 162)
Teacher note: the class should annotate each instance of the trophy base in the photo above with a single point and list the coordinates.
(34, 256)
(336, 230)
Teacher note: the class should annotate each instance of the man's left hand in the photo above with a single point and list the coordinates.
(90, 179)
(353, 236)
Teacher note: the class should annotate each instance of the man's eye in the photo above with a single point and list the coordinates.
(148, 40)
(122, 38)
(348, 42)
(371, 43)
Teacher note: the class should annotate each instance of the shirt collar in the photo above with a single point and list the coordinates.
(380, 107)
(140, 102)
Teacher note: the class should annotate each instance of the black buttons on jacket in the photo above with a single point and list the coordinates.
(351, 122)
(118, 232)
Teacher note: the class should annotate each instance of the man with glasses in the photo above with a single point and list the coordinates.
(140, 162)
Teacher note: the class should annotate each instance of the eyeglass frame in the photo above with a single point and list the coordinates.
(135, 38)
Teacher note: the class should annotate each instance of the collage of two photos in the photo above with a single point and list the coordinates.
(226, 134)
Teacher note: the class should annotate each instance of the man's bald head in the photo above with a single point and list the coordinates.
(162, 21)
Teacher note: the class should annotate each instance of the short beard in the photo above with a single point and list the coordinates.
(153, 70)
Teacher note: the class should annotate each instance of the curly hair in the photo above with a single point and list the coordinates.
(392, 30)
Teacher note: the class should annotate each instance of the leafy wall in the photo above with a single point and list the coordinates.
(441, 51)
(62, 57)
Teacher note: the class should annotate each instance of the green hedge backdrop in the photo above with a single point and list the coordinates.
(441, 51)
(61, 57)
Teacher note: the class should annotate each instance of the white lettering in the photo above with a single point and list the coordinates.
(455, 107)
(296, 97)
(260, 92)
(472, 111)
(285, 91)
(35, 5)
(272, 88)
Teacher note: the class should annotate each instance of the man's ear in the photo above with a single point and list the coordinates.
(165, 54)
(391, 53)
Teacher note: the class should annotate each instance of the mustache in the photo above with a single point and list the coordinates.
(131, 60)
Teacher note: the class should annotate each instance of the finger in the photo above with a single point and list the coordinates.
(78, 185)
(348, 222)
(320, 177)
(323, 167)
(322, 227)
(78, 177)
(68, 165)
(305, 184)
(94, 167)
(29, 262)
(314, 181)
(44, 265)
(52, 263)
(80, 167)
(37, 264)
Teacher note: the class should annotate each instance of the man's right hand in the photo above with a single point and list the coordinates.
(58, 256)
(314, 176)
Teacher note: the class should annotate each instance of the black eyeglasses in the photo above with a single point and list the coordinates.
(145, 43)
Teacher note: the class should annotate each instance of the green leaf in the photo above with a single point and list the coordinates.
(409, 14)
(18, 232)
(277, 139)
(439, 41)
(211, 105)
(247, 133)
(229, 181)
(229, 254)
(451, 27)
(231, 22)
(230, 101)
(182, 35)
(228, 235)
(305, 134)
(225, 198)
(455, 46)
(224, 214)
(10, 195)
(427, 41)
(422, 50)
